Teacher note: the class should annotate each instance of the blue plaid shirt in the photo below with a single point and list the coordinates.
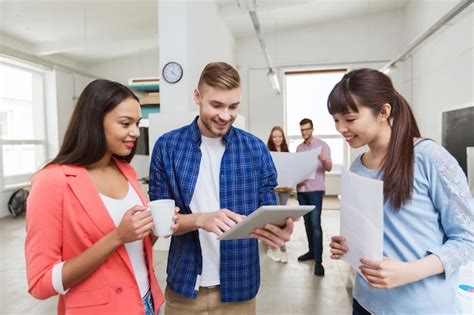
(247, 179)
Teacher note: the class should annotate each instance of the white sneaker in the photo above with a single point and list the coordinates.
(283, 257)
(273, 254)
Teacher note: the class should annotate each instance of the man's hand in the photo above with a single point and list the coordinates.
(273, 235)
(325, 162)
(298, 186)
(218, 222)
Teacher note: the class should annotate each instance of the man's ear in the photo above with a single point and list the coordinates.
(385, 111)
(197, 96)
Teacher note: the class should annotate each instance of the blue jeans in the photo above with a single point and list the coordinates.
(312, 222)
(148, 304)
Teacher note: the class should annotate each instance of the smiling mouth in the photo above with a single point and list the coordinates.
(349, 139)
(221, 125)
(129, 144)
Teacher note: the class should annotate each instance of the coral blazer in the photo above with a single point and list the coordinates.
(65, 216)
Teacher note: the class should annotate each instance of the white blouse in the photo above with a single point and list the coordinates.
(135, 250)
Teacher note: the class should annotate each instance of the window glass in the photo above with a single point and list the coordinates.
(306, 97)
(22, 122)
(21, 159)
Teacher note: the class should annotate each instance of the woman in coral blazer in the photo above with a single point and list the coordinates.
(82, 242)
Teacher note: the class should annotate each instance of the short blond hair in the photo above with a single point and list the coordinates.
(219, 75)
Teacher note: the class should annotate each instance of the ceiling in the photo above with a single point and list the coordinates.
(280, 15)
(85, 31)
(91, 31)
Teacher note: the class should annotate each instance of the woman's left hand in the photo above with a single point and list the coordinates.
(387, 274)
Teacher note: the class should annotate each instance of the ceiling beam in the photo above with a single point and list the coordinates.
(78, 44)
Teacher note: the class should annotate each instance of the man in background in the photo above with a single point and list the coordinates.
(311, 192)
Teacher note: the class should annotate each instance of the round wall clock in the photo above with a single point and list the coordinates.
(172, 72)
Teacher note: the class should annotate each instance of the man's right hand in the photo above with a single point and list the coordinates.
(298, 186)
(219, 221)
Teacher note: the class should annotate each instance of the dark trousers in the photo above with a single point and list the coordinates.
(312, 222)
(357, 309)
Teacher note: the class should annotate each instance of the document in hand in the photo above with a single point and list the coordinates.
(361, 217)
(275, 215)
(293, 168)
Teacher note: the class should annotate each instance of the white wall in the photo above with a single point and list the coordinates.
(352, 42)
(192, 34)
(141, 65)
(68, 88)
(438, 76)
(209, 40)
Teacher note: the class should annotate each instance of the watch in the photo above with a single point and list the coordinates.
(172, 72)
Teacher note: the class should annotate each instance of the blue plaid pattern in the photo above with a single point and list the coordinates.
(247, 179)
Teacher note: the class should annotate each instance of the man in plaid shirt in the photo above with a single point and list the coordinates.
(217, 174)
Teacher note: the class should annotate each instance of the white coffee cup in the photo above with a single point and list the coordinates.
(162, 212)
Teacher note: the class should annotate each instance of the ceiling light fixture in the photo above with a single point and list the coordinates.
(430, 31)
(274, 80)
(251, 7)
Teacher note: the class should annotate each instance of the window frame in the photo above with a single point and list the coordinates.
(337, 168)
(21, 180)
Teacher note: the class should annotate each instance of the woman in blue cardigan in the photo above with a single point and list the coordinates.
(428, 209)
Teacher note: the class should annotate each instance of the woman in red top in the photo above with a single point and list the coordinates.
(277, 142)
(82, 243)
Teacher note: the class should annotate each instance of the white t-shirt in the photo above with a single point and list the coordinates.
(135, 251)
(206, 199)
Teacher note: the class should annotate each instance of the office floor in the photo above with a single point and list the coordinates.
(285, 288)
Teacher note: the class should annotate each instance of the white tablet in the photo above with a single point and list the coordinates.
(275, 215)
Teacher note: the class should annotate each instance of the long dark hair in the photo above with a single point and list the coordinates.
(84, 141)
(372, 89)
(271, 145)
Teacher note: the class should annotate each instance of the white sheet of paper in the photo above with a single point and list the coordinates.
(293, 168)
(361, 217)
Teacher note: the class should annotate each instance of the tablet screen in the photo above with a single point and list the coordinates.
(275, 215)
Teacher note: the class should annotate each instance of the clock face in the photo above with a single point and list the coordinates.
(172, 72)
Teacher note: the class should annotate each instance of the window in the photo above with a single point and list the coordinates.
(306, 97)
(3, 123)
(22, 122)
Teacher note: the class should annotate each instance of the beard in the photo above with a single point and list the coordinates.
(216, 132)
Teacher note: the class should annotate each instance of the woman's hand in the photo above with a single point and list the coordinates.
(389, 273)
(338, 248)
(135, 225)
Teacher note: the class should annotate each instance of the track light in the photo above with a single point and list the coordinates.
(274, 80)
